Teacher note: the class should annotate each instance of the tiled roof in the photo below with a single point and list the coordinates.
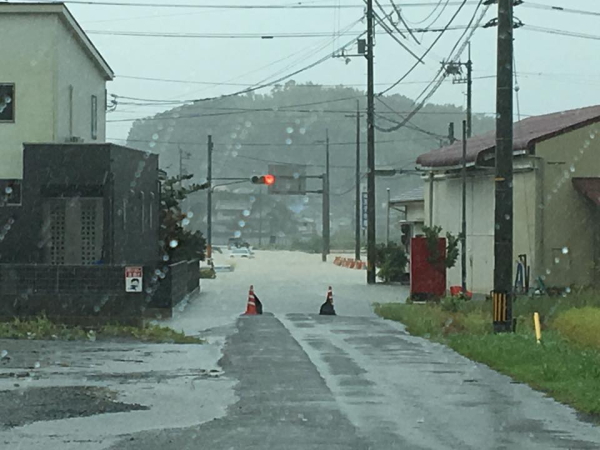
(414, 195)
(526, 134)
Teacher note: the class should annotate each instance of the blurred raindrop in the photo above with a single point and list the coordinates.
(237, 234)
(289, 130)
(288, 141)
(242, 224)
(246, 213)
(173, 243)
(565, 250)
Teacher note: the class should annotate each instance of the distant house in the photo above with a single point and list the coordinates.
(411, 205)
(52, 82)
(556, 199)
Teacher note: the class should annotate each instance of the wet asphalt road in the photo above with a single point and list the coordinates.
(353, 381)
(291, 379)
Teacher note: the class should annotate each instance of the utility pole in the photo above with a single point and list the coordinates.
(371, 222)
(455, 70)
(387, 227)
(469, 95)
(357, 188)
(209, 199)
(260, 218)
(357, 199)
(463, 241)
(326, 212)
(503, 236)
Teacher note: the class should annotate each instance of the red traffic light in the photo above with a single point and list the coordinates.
(264, 179)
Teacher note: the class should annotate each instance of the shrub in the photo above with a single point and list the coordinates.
(391, 259)
(580, 326)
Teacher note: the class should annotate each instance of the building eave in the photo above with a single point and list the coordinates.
(61, 10)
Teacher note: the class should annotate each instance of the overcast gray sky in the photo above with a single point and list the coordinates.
(555, 72)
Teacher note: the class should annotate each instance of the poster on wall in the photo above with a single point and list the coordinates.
(133, 279)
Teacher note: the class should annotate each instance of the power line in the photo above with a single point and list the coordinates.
(239, 6)
(436, 40)
(437, 81)
(266, 144)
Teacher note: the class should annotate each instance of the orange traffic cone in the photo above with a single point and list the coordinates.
(251, 305)
(327, 308)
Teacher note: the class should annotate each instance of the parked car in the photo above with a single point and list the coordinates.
(241, 252)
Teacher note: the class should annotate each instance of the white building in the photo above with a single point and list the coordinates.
(52, 82)
(556, 195)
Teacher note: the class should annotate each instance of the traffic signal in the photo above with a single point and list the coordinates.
(264, 179)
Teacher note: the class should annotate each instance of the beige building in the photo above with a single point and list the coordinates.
(411, 206)
(556, 199)
(52, 82)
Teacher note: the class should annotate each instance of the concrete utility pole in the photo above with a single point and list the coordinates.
(357, 187)
(503, 236)
(371, 236)
(387, 226)
(469, 94)
(209, 198)
(326, 206)
(463, 249)
(455, 70)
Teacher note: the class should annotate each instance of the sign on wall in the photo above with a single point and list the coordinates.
(133, 279)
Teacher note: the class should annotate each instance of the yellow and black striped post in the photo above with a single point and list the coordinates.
(502, 312)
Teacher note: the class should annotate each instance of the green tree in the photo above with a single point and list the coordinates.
(177, 242)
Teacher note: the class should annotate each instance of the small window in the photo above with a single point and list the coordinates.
(94, 117)
(10, 192)
(7, 102)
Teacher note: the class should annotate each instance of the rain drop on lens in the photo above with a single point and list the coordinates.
(185, 222)
(190, 214)
(173, 243)
(246, 213)
(288, 141)
(242, 224)
(568, 290)
(234, 154)
(238, 146)
(302, 130)
(165, 258)
(565, 250)
(8, 190)
(155, 137)
(572, 168)
(289, 130)
(152, 144)
(556, 260)
(37, 365)
(237, 234)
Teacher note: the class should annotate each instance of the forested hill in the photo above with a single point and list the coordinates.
(283, 126)
(289, 125)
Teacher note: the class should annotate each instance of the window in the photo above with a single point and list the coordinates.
(94, 117)
(7, 102)
(10, 192)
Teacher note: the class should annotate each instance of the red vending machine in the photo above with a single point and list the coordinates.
(427, 271)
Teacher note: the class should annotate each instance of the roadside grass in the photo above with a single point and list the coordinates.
(42, 328)
(567, 363)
